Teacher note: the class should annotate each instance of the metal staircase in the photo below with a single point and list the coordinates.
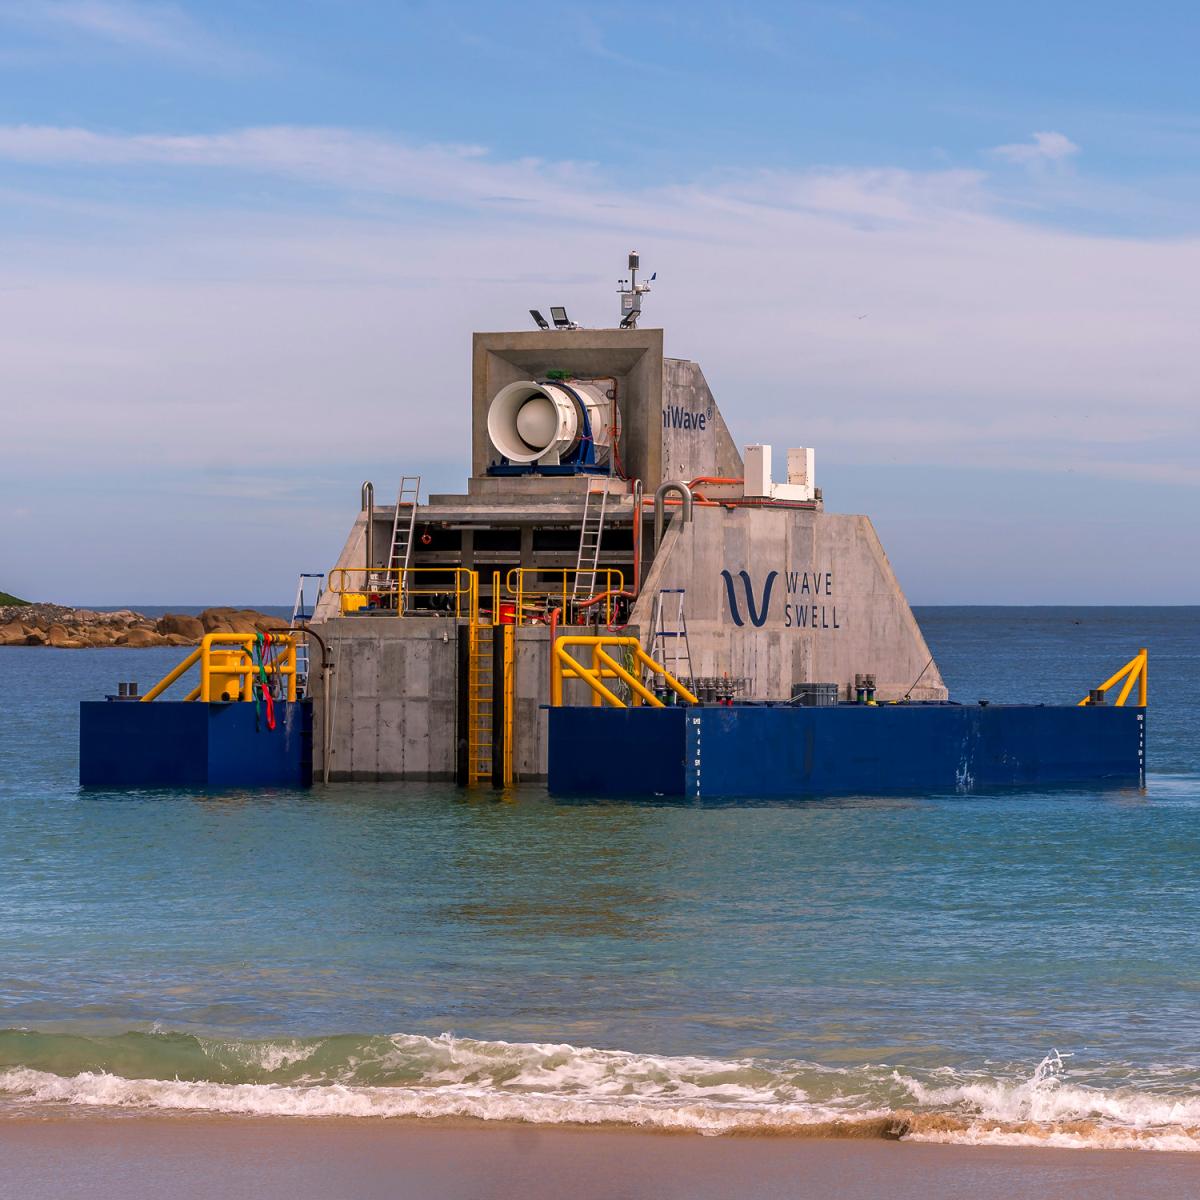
(669, 643)
(591, 533)
(404, 525)
(302, 613)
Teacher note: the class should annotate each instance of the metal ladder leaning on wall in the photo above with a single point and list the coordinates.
(302, 612)
(404, 526)
(591, 534)
(669, 641)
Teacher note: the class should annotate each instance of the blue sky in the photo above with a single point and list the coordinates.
(243, 246)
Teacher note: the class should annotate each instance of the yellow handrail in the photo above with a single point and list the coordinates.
(403, 582)
(168, 679)
(1136, 670)
(515, 586)
(605, 666)
(228, 669)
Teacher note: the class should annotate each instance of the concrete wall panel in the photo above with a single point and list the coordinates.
(395, 685)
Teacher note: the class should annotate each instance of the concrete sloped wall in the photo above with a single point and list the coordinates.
(818, 602)
(352, 555)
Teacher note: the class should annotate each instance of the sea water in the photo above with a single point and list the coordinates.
(1018, 967)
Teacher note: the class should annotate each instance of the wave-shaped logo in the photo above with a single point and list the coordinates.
(758, 615)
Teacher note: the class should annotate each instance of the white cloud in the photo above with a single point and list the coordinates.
(330, 335)
(1046, 147)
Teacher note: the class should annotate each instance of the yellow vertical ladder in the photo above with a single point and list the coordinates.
(509, 685)
(487, 690)
(480, 700)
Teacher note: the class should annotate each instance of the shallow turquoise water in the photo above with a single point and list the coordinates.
(863, 954)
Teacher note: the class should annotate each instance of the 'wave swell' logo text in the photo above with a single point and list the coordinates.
(758, 616)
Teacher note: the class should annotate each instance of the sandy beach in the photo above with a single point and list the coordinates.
(188, 1158)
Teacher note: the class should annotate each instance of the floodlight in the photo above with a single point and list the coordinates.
(559, 316)
(542, 323)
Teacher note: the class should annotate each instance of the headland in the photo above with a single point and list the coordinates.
(68, 628)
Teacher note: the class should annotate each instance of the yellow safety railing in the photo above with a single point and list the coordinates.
(228, 669)
(605, 666)
(527, 585)
(1135, 671)
(402, 585)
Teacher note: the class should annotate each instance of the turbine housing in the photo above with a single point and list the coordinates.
(554, 423)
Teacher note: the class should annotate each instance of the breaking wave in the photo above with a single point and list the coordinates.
(451, 1077)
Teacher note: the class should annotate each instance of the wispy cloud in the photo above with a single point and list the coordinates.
(1044, 147)
(137, 28)
(468, 177)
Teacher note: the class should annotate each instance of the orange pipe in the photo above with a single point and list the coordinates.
(697, 498)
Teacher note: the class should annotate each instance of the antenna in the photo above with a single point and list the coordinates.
(631, 294)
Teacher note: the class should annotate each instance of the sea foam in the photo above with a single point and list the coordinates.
(410, 1076)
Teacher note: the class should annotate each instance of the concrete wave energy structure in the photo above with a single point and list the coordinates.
(614, 555)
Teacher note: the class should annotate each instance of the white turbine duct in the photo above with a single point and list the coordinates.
(547, 423)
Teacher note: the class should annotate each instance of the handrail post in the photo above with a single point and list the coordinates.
(556, 686)
(596, 700)
(206, 669)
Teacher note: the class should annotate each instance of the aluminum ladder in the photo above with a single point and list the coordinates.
(591, 533)
(302, 612)
(669, 644)
(404, 525)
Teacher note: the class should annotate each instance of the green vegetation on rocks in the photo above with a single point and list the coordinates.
(8, 600)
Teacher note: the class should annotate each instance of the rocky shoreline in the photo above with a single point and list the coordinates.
(84, 628)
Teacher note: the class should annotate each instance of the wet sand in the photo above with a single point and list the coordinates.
(188, 1158)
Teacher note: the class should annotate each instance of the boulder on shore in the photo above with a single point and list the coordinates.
(191, 628)
(139, 638)
(15, 633)
(58, 637)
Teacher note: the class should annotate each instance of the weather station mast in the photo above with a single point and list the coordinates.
(631, 292)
